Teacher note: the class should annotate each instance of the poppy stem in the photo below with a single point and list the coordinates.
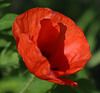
(27, 85)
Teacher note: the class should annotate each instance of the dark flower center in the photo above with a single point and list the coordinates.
(51, 43)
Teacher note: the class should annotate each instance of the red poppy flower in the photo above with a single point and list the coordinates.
(50, 44)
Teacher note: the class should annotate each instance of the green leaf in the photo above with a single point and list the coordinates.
(5, 1)
(4, 5)
(8, 57)
(3, 42)
(39, 86)
(6, 37)
(7, 21)
(92, 33)
(95, 60)
(82, 74)
(11, 84)
(86, 19)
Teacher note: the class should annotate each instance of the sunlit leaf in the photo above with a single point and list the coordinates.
(11, 84)
(7, 21)
(39, 86)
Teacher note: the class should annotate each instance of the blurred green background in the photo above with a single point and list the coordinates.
(14, 76)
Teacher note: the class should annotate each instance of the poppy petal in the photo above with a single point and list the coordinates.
(50, 44)
(72, 28)
(31, 54)
(77, 50)
(37, 64)
(63, 81)
(75, 55)
(29, 22)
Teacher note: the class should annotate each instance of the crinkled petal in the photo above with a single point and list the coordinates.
(29, 22)
(37, 64)
(66, 46)
(63, 81)
(32, 55)
(76, 52)
(72, 28)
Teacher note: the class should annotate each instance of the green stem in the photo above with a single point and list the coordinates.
(27, 86)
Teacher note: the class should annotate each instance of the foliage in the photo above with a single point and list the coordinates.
(14, 76)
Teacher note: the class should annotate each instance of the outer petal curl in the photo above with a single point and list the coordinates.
(38, 64)
(69, 48)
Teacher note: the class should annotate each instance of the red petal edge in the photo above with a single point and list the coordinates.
(37, 64)
(26, 30)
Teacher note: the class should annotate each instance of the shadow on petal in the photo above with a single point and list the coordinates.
(58, 60)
